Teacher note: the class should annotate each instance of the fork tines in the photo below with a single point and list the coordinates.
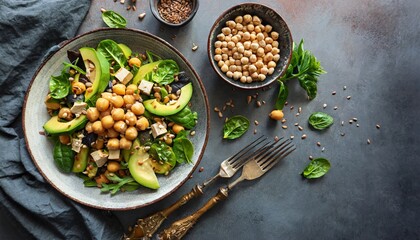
(247, 152)
(281, 149)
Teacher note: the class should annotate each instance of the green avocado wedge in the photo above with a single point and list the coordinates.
(140, 168)
(126, 50)
(160, 109)
(99, 76)
(55, 127)
(81, 160)
(144, 70)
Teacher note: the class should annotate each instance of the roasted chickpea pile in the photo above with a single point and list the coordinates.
(246, 50)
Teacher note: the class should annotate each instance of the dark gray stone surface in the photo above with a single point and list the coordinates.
(372, 190)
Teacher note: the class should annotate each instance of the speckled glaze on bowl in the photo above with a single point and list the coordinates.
(41, 148)
(154, 8)
(268, 16)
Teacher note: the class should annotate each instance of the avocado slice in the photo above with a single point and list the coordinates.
(100, 75)
(163, 168)
(160, 109)
(144, 70)
(140, 168)
(126, 50)
(55, 127)
(81, 160)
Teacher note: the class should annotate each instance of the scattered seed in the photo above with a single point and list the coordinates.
(296, 124)
(354, 119)
(122, 1)
(195, 47)
(142, 15)
(258, 104)
(220, 114)
(249, 99)
(103, 10)
(348, 97)
(318, 144)
(256, 122)
(297, 114)
(255, 131)
(128, 8)
(323, 149)
(310, 157)
(299, 110)
(216, 109)
(342, 134)
(292, 137)
(192, 133)
(368, 141)
(191, 176)
(285, 104)
(291, 108)
(334, 92)
(201, 169)
(335, 107)
(304, 136)
(300, 128)
(41, 133)
(357, 125)
(276, 138)
(378, 126)
(342, 123)
(350, 121)
(284, 127)
(283, 120)
(325, 105)
(224, 108)
(263, 102)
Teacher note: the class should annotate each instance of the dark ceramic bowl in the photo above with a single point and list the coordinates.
(268, 16)
(41, 148)
(155, 12)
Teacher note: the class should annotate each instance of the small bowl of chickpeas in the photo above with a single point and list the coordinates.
(250, 46)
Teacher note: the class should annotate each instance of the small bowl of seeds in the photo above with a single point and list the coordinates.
(250, 46)
(174, 13)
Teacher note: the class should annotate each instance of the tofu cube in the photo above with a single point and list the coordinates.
(78, 107)
(114, 154)
(158, 129)
(146, 87)
(123, 75)
(76, 144)
(99, 157)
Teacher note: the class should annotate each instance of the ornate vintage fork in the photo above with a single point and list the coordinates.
(146, 227)
(252, 170)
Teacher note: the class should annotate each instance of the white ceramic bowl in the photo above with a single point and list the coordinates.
(41, 148)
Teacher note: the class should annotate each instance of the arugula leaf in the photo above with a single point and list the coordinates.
(282, 96)
(119, 184)
(306, 68)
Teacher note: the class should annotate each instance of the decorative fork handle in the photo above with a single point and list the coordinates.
(147, 227)
(179, 228)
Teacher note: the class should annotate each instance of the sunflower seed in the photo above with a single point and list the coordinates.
(304, 136)
(325, 105)
(318, 144)
(335, 107)
(378, 126)
(142, 15)
(310, 157)
(368, 141)
(292, 137)
(284, 127)
(348, 97)
(334, 92)
(300, 128)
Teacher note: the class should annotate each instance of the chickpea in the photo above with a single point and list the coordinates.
(254, 46)
(113, 144)
(268, 57)
(254, 76)
(247, 53)
(78, 88)
(260, 36)
(111, 133)
(99, 143)
(107, 122)
(218, 51)
(113, 166)
(119, 89)
(247, 36)
(120, 127)
(217, 44)
(229, 74)
(97, 127)
(220, 63)
(231, 45)
(132, 87)
(226, 31)
(275, 44)
(253, 36)
(268, 48)
(177, 128)
(117, 114)
(247, 45)
(261, 77)
(105, 113)
(268, 40)
(224, 44)
(125, 144)
(228, 38)
(92, 114)
(168, 140)
(276, 57)
(65, 113)
(249, 79)
(101, 179)
(235, 39)
(142, 123)
(270, 71)
(268, 28)
(130, 118)
(131, 133)
(250, 27)
(259, 64)
(241, 49)
(224, 68)
(239, 27)
(253, 58)
(275, 51)
(117, 101)
(274, 35)
(221, 36)
(276, 114)
(106, 95)
(134, 62)
(217, 57)
(225, 50)
(258, 29)
(245, 73)
(239, 19)
(237, 75)
(260, 52)
(262, 43)
(129, 99)
(256, 20)
(102, 104)
(271, 64)
(231, 24)
(243, 79)
(88, 127)
(264, 70)
(138, 108)
(232, 68)
(64, 139)
(247, 18)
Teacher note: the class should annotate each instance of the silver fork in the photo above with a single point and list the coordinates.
(254, 169)
(146, 227)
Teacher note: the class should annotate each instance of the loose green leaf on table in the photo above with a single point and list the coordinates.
(316, 168)
(282, 96)
(320, 120)
(235, 127)
(113, 19)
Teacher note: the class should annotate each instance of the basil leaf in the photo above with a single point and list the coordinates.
(60, 85)
(235, 127)
(113, 19)
(183, 148)
(317, 168)
(320, 120)
(63, 157)
(282, 96)
(112, 52)
(165, 72)
(185, 117)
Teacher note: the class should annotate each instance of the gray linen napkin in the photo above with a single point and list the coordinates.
(28, 30)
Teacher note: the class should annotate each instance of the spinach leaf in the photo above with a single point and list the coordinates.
(162, 152)
(185, 117)
(317, 168)
(320, 120)
(63, 157)
(165, 72)
(112, 52)
(183, 148)
(60, 85)
(306, 68)
(282, 96)
(113, 19)
(235, 127)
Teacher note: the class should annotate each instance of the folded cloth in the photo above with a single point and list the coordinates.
(28, 30)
